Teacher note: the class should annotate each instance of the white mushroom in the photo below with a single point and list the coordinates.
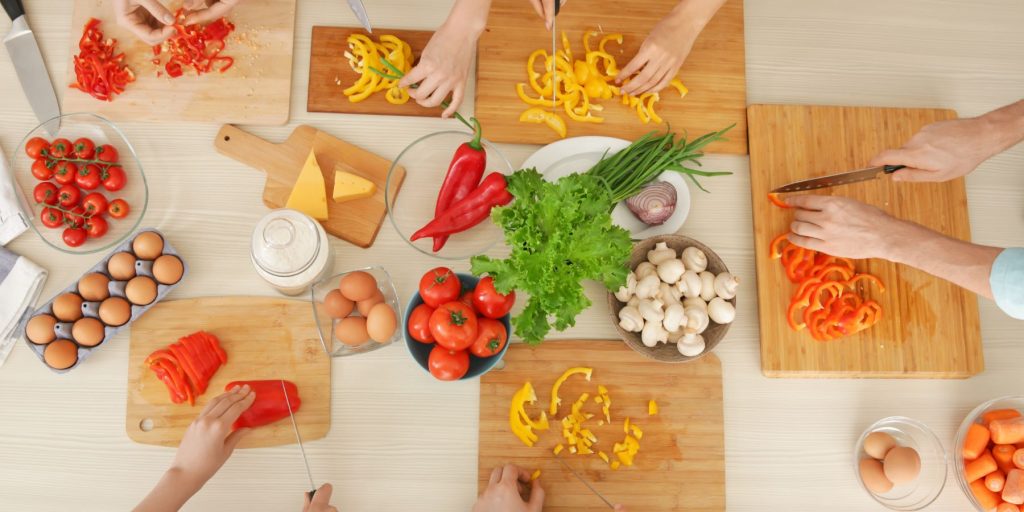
(630, 319)
(653, 310)
(652, 333)
(690, 284)
(634, 301)
(647, 287)
(691, 345)
(696, 321)
(707, 285)
(721, 311)
(726, 285)
(645, 269)
(675, 317)
(695, 259)
(671, 270)
(674, 337)
(695, 302)
(668, 294)
(625, 292)
(661, 253)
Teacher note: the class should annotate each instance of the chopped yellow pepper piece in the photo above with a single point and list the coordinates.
(615, 464)
(652, 408)
(555, 400)
(604, 456)
(539, 115)
(519, 421)
(679, 87)
(559, 448)
(535, 475)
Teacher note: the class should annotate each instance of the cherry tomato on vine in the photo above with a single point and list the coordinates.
(96, 226)
(36, 147)
(106, 153)
(438, 286)
(75, 217)
(445, 364)
(64, 172)
(490, 339)
(68, 196)
(45, 193)
(419, 324)
(74, 237)
(42, 169)
(453, 325)
(95, 204)
(51, 218)
(84, 148)
(113, 178)
(88, 177)
(60, 148)
(118, 208)
(489, 302)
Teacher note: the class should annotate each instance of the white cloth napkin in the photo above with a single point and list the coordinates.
(20, 284)
(13, 220)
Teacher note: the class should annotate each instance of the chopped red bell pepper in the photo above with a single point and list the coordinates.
(187, 365)
(195, 46)
(99, 71)
(270, 404)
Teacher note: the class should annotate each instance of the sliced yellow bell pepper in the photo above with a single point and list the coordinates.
(535, 475)
(652, 408)
(610, 37)
(607, 401)
(679, 87)
(555, 399)
(519, 421)
(559, 448)
(539, 115)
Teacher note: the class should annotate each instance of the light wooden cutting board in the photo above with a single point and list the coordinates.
(265, 338)
(681, 463)
(255, 90)
(356, 221)
(714, 72)
(930, 327)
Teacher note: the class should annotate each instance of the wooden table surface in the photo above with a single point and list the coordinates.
(400, 440)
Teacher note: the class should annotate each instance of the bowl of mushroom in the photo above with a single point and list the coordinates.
(678, 301)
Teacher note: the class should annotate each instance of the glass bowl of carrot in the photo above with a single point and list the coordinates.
(988, 456)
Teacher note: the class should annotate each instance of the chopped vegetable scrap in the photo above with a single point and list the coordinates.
(535, 475)
(364, 55)
(187, 365)
(195, 46)
(519, 421)
(100, 70)
(652, 408)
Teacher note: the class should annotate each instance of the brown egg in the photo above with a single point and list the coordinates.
(357, 286)
(88, 332)
(381, 323)
(337, 305)
(364, 306)
(121, 266)
(39, 329)
(877, 444)
(352, 331)
(61, 354)
(67, 307)
(115, 311)
(148, 245)
(141, 290)
(873, 476)
(902, 465)
(93, 287)
(168, 269)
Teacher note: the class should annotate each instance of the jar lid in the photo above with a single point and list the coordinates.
(285, 242)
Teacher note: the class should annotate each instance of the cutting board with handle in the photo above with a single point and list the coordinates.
(714, 71)
(265, 338)
(356, 221)
(681, 462)
(255, 90)
(330, 73)
(929, 327)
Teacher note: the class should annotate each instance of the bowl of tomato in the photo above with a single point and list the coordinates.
(84, 188)
(457, 325)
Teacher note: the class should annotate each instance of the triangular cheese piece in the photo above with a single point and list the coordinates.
(348, 186)
(309, 195)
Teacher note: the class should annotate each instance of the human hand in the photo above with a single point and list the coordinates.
(846, 228)
(321, 500)
(503, 495)
(443, 68)
(660, 56)
(205, 11)
(149, 20)
(546, 10)
(209, 441)
(941, 151)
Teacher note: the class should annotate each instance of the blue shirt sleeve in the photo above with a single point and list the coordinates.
(1007, 280)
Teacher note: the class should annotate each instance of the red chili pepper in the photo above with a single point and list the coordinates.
(270, 404)
(470, 211)
(464, 173)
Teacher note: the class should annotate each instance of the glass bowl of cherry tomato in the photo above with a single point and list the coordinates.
(84, 188)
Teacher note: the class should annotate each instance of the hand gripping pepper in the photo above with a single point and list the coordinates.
(270, 404)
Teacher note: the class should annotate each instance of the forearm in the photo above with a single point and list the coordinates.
(962, 263)
(469, 16)
(170, 493)
(1003, 127)
(696, 13)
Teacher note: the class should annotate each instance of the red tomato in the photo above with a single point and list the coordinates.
(75, 217)
(64, 172)
(88, 177)
(467, 299)
(453, 326)
(36, 147)
(95, 204)
(490, 339)
(51, 218)
(447, 364)
(489, 302)
(419, 324)
(438, 286)
(106, 153)
(73, 237)
(118, 209)
(42, 169)
(96, 227)
(69, 195)
(60, 148)
(113, 178)
(45, 193)
(84, 148)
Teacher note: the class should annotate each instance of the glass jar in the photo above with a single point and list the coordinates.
(290, 251)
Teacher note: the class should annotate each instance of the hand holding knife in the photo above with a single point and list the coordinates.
(842, 178)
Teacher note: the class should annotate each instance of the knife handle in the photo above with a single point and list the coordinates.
(889, 169)
(15, 10)
(558, 6)
(310, 494)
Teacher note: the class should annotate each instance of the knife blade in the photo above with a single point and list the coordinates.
(554, 76)
(842, 178)
(360, 11)
(30, 67)
(584, 481)
(298, 439)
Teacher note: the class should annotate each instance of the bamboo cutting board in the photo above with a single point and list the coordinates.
(265, 338)
(255, 90)
(714, 71)
(681, 462)
(930, 327)
(330, 74)
(356, 221)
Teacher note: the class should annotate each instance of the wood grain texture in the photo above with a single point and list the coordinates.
(255, 90)
(264, 338)
(714, 72)
(930, 327)
(356, 221)
(681, 463)
(330, 74)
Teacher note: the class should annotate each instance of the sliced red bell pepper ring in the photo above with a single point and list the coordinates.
(198, 384)
(775, 247)
(774, 199)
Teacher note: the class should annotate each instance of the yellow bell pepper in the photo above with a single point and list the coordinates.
(519, 421)
(539, 115)
(679, 87)
(365, 53)
(555, 400)
(610, 37)
(607, 401)
(559, 448)
(535, 475)
(521, 92)
(581, 70)
(652, 408)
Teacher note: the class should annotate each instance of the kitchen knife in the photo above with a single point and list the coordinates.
(554, 77)
(581, 479)
(298, 439)
(28, 63)
(842, 178)
(360, 11)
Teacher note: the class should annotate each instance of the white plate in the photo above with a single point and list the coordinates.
(578, 154)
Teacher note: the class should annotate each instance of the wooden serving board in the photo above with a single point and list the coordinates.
(930, 327)
(265, 338)
(356, 221)
(330, 74)
(255, 90)
(681, 463)
(714, 71)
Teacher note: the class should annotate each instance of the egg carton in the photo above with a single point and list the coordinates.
(116, 289)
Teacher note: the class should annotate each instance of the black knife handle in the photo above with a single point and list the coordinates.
(558, 6)
(889, 169)
(13, 8)
(310, 494)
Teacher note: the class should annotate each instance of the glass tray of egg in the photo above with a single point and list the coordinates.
(115, 292)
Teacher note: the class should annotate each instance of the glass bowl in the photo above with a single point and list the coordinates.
(1006, 402)
(426, 162)
(911, 433)
(135, 192)
(325, 324)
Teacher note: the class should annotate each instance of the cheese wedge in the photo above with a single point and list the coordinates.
(309, 195)
(348, 186)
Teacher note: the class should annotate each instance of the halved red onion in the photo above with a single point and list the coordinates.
(654, 204)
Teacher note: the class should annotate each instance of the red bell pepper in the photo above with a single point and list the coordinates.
(270, 404)
(99, 71)
(195, 46)
(470, 211)
(464, 173)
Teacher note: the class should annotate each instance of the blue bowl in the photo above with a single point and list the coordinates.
(421, 351)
